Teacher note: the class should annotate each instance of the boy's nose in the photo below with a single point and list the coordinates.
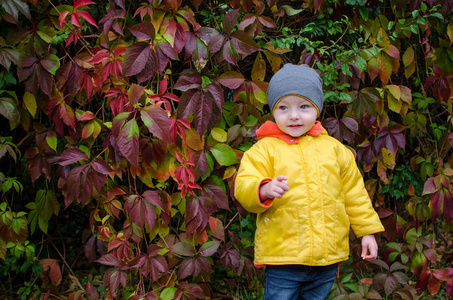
(294, 116)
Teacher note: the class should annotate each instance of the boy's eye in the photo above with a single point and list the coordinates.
(305, 106)
(283, 107)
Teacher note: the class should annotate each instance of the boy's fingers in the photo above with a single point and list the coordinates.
(281, 178)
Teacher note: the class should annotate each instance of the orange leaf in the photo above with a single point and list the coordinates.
(52, 271)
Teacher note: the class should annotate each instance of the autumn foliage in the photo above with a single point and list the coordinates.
(123, 125)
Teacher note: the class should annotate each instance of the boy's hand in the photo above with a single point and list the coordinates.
(369, 247)
(274, 189)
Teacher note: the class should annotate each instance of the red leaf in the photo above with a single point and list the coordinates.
(231, 79)
(203, 113)
(229, 54)
(243, 43)
(45, 79)
(448, 206)
(110, 260)
(136, 58)
(75, 20)
(71, 156)
(52, 271)
(216, 43)
(209, 248)
(436, 205)
(101, 166)
(217, 194)
(230, 20)
(135, 92)
(128, 142)
(143, 31)
(114, 277)
(80, 3)
(188, 102)
(188, 81)
(183, 249)
(430, 186)
(246, 21)
(87, 116)
(85, 15)
(217, 94)
(92, 292)
(62, 17)
(157, 121)
(67, 115)
(152, 196)
(434, 285)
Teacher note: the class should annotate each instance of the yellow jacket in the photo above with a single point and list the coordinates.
(310, 224)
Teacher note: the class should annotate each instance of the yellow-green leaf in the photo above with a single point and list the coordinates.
(395, 91)
(394, 104)
(219, 134)
(259, 68)
(450, 32)
(51, 139)
(30, 103)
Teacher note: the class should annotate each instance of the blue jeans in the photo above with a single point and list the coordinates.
(289, 282)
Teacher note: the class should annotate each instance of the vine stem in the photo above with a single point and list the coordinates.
(67, 265)
(232, 219)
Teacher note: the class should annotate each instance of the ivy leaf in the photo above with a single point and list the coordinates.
(137, 57)
(12, 8)
(52, 271)
(50, 62)
(143, 31)
(193, 266)
(8, 109)
(187, 81)
(114, 277)
(203, 112)
(364, 101)
(216, 193)
(157, 121)
(343, 129)
(224, 154)
(231, 79)
(183, 249)
(391, 138)
(196, 216)
(243, 43)
(229, 20)
(140, 210)
(128, 142)
(209, 248)
(71, 156)
(9, 55)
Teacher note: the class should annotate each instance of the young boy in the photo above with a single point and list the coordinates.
(307, 191)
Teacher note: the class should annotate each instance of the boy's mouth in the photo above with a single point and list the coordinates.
(295, 126)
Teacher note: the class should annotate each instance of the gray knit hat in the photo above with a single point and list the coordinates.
(295, 80)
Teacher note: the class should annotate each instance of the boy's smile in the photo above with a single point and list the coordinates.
(295, 115)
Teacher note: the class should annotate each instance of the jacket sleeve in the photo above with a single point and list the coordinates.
(255, 170)
(363, 218)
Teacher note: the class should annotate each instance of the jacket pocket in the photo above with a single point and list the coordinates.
(278, 233)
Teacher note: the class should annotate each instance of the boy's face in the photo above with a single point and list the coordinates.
(295, 115)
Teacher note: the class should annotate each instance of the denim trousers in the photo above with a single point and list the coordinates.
(290, 282)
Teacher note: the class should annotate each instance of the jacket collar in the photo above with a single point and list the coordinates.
(270, 129)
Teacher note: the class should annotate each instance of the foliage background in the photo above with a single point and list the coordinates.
(123, 123)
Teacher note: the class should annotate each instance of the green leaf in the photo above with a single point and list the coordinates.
(291, 11)
(219, 134)
(224, 155)
(168, 293)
